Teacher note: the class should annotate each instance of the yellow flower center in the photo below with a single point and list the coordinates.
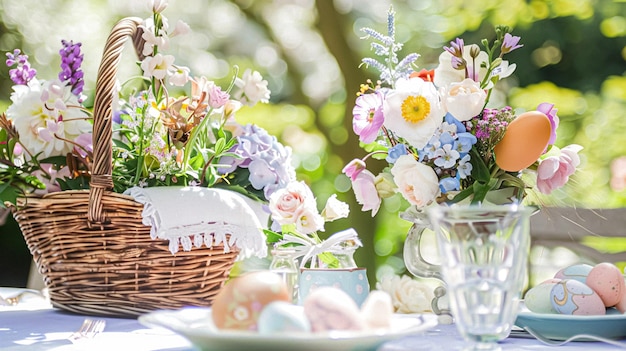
(415, 109)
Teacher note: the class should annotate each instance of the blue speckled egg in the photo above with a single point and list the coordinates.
(577, 272)
(281, 317)
(570, 296)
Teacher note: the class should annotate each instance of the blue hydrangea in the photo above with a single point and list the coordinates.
(268, 161)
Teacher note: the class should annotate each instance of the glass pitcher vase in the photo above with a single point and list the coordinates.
(419, 266)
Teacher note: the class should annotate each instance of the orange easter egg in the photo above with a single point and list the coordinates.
(524, 141)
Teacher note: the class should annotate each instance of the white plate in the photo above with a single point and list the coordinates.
(196, 324)
(562, 326)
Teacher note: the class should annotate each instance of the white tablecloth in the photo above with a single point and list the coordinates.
(39, 327)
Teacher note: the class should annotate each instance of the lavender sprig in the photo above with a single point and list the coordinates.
(387, 47)
(23, 73)
(71, 60)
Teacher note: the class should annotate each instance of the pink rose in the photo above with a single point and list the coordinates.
(417, 182)
(364, 186)
(554, 171)
(288, 204)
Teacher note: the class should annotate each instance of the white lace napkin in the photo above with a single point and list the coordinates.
(196, 216)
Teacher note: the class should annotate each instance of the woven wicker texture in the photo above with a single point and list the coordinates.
(90, 245)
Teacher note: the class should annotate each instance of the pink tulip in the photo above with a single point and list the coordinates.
(364, 187)
(353, 168)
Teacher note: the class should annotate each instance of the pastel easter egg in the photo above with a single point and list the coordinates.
(577, 272)
(240, 302)
(377, 309)
(608, 282)
(281, 316)
(573, 297)
(525, 139)
(537, 299)
(329, 308)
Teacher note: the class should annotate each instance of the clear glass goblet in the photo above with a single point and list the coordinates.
(484, 253)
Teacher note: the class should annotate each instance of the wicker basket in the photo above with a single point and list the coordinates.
(90, 245)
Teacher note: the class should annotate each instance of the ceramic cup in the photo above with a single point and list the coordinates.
(353, 281)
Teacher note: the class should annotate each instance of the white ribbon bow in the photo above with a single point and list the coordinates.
(308, 248)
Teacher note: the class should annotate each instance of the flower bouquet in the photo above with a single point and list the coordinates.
(297, 222)
(112, 200)
(444, 136)
(328, 262)
(447, 139)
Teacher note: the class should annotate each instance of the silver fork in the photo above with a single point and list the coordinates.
(586, 337)
(88, 330)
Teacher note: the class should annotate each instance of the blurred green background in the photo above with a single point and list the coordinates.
(574, 55)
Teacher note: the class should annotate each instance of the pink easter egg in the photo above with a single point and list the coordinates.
(608, 282)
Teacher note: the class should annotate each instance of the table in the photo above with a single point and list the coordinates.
(41, 327)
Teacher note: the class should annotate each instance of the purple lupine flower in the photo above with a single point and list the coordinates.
(509, 43)
(458, 63)
(71, 59)
(23, 73)
(456, 47)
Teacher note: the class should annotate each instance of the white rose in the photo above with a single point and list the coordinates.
(417, 182)
(335, 209)
(464, 100)
(413, 111)
(408, 295)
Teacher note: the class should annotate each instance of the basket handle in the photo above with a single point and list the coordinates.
(101, 177)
